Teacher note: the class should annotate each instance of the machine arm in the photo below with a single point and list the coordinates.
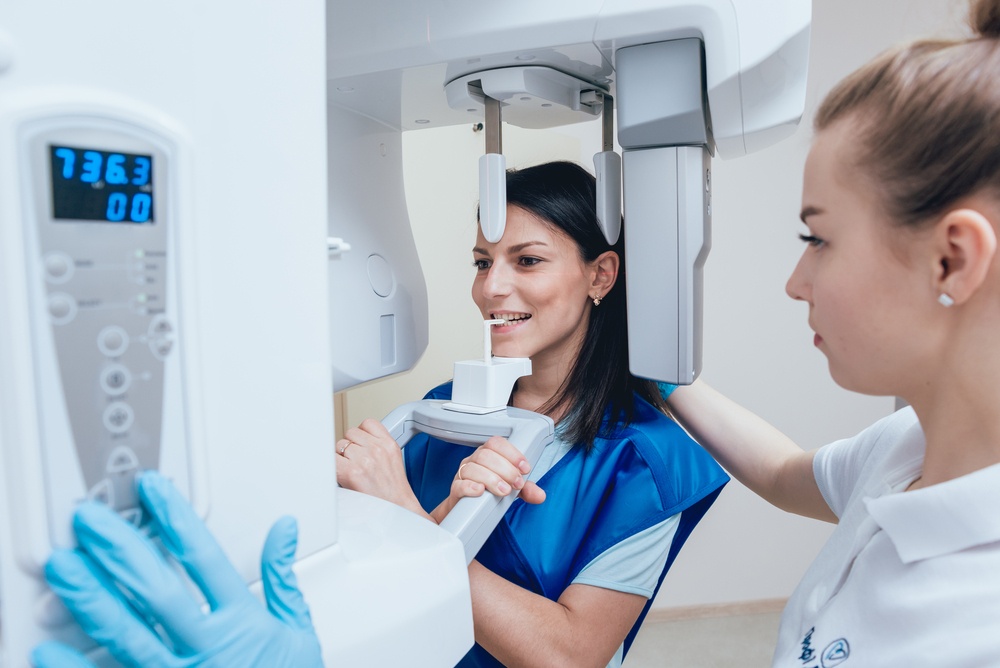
(472, 520)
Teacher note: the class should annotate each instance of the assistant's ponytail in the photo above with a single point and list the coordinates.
(927, 120)
(984, 17)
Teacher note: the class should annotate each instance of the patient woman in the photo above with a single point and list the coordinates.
(567, 581)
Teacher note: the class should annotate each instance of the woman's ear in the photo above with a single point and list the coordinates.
(965, 245)
(605, 272)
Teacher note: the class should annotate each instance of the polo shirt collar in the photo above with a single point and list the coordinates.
(941, 519)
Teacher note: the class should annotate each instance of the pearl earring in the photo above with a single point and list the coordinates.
(597, 301)
(945, 300)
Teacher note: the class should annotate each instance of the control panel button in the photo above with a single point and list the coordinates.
(132, 515)
(62, 308)
(112, 341)
(122, 459)
(116, 379)
(58, 267)
(160, 326)
(104, 492)
(161, 336)
(161, 347)
(118, 417)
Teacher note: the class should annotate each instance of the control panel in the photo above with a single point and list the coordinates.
(100, 231)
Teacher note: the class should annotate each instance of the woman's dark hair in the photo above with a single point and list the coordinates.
(563, 195)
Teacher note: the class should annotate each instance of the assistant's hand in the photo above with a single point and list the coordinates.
(496, 466)
(235, 631)
(666, 389)
(369, 460)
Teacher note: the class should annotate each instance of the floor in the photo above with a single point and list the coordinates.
(746, 641)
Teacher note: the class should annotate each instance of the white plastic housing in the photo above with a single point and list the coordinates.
(378, 298)
(247, 112)
(530, 95)
(473, 519)
(393, 65)
(485, 386)
(492, 196)
(608, 172)
(672, 186)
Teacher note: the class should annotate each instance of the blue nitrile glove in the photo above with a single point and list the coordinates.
(53, 654)
(236, 631)
(666, 389)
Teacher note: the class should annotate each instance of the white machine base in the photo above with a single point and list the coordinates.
(394, 591)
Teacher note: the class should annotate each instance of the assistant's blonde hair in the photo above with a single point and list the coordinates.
(928, 117)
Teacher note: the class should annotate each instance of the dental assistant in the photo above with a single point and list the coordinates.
(901, 274)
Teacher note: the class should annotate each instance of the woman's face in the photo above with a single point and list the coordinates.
(861, 275)
(535, 280)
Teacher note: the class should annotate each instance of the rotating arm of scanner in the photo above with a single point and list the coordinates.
(473, 519)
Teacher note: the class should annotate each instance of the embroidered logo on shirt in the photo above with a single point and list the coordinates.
(808, 653)
(835, 653)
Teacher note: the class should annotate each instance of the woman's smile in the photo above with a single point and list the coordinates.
(534, 280)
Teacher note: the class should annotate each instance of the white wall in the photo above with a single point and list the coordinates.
(758, 348)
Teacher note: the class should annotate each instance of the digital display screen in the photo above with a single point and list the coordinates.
(91, 184)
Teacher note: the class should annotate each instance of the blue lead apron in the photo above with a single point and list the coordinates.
(641, 475)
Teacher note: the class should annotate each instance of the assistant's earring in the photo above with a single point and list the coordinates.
(597, 301)
(945, 300)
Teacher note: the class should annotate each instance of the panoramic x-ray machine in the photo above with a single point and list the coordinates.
(202, 214)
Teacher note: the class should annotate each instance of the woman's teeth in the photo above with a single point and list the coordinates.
(510, 318)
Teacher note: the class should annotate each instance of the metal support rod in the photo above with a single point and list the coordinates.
(608, 124)
(494, 140)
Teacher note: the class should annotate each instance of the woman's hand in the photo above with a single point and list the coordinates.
(369, 460)
(497, 467)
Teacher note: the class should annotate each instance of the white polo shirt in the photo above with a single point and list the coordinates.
(906, 579)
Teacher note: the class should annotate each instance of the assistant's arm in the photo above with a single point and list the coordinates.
(752, 450)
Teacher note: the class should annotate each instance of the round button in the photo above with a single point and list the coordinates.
(380, 275)
(112, 341)
(116, 379)
(62, 308)
(118, 417)
(58, 267)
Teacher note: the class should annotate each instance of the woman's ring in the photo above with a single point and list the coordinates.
(344, 449)
(460, 470)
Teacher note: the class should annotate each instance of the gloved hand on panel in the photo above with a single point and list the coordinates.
(128, 598)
